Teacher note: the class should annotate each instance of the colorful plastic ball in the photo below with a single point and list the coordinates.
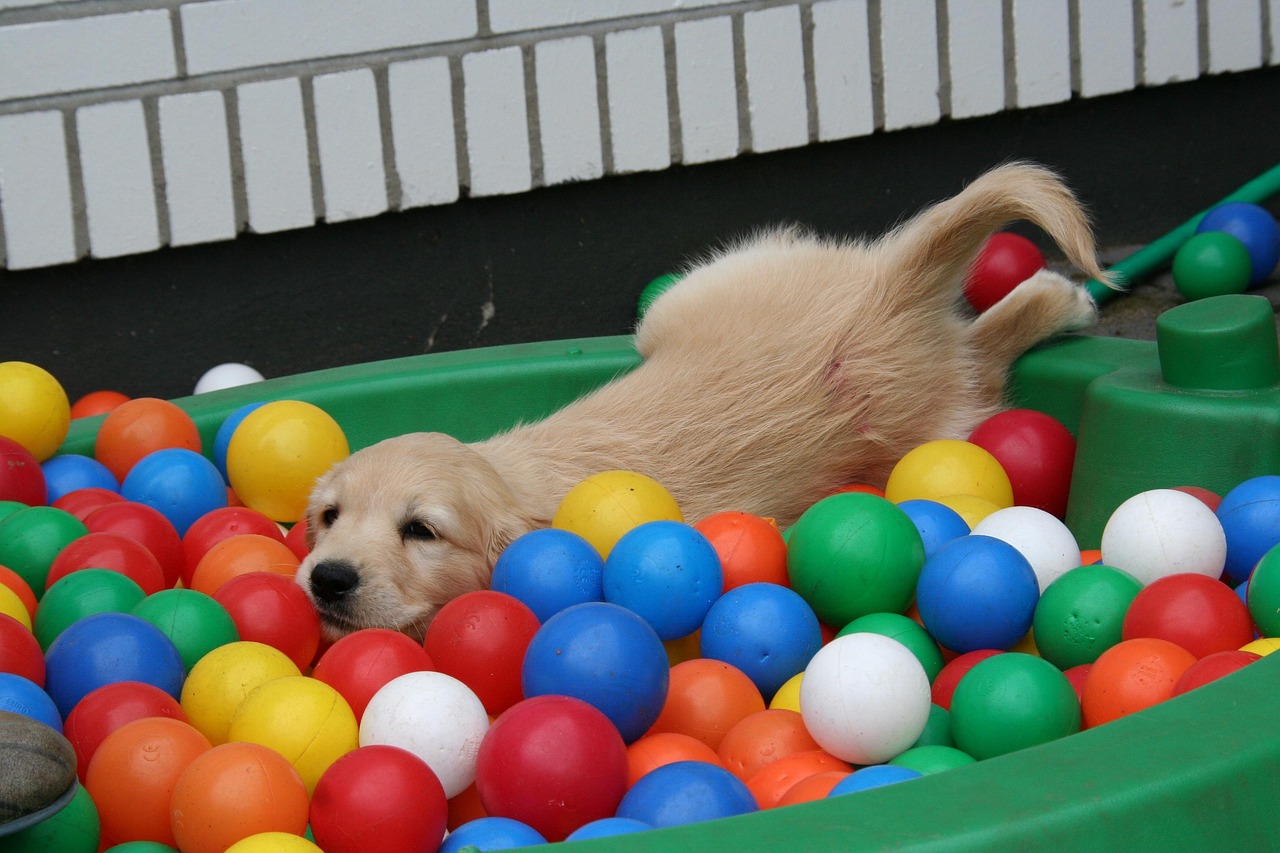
(1047, 543)
(233, 791)
(434, 716)
(810, 788)
(218, 525)
(20, 653)
(549, 570)
(1263, 594)
(359, 664)
(1038, 453)
(606, 827)
(277, 453)
(133, 773)
(34, 409)
(1255, 227)
(554, 763)
(82, 594)
(221, 680)
(296, 539)
(73, 829)
(1211, 263)
(19, 695)
(767, 631)
(771, 783)
(31, 538)
(927, 760)
(379, 798)
(865, 698)
(269, 608)
(944, 684)
(937, 523)
(222, 376)
(480, 639)
(788, 695)
(195, 622)
(874, 776)
(242, 554)
(97, 403)
(107, 550)
(109, 707)
(657, 749)
(1200, 614)
(1250, 519)
(109, 647)
(1081, 614)
(139, 427)
(491, 833)
(939, 469)
(22, 479)
(905, 630)
(1004, 261)
(751, 548)
(851, 554)
(606, 505)
(604, 655)
(1010, 702)
(273, 842)
(1130, 676)
(180, 483)
(222, 438)
(1164, 532)
(761, 738)
(977, 592)
(145, 524)
(971, 508)
(68, 472)
(81, 502)
(1212, 667)
(12, 606)
(1262, 646)
(686, 792)
(706, 698)
(667, 572)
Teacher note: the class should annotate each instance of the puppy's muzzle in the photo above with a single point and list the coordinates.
(334, 581)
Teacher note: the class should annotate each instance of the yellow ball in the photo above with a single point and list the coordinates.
(605, 506)
(222, 679)
(34, 409)
(937, 469)
(683, 648)
(11, 605)
(788, 696)
(278, 451)
(970, 507)
(303, 719)
(1262, 646)
(273, 842)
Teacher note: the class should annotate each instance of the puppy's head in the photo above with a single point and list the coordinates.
(400, 528)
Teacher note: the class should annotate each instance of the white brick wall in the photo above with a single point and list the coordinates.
(125, 126)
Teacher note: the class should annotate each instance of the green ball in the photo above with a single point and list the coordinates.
(905, 630)
(1264, 593)
(854, 553)
(1212, 263)
(83, 593)
(196, 623)
(937, 729)
(1081, 613)
(653, 290)
(31, 538)
(1012, 701)
(8, 508)
(141, 847)
(927, 760)
(73, 829)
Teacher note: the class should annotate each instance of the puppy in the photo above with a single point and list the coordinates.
(773, 374)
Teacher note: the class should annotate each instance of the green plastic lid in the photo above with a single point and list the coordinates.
(1223, 343)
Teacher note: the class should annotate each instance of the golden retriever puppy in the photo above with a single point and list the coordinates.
(774, 373)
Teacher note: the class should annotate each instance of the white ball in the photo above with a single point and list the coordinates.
(1049, 546)
(865, 698)
(226, 376)
(434, 716)
(1164, 532)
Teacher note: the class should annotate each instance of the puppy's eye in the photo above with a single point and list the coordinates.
(329, 516)
(420, 530)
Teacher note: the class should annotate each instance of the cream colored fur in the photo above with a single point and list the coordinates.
(774, 373)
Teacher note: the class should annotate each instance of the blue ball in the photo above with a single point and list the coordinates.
(491, 833)
(106, 648)
(550, 569)
(23, 696)
(977, 592)
(768, 631)
(1250, 519)
(180, 484)
(938, 523)
(71, 471)
(686, 792)
(1252, 225)
(604, 655)
(875, 776)
(222, 439)
(607, 826)
(668, 573)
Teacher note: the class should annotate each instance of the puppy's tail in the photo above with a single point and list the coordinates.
(938, 244)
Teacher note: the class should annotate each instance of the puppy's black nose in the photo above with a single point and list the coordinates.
(334, 580)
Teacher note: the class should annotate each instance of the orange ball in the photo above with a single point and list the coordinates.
(239, 555)
(133, 773)
(750, 547)
(1132, 675)
(763, 738)
(233, 791)
(139, 427)
(705, 699)
(465, 807)
(772, 782)
(815, 787)
(97, 403)
(662, 748)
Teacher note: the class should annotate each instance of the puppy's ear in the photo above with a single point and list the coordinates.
(505, 526)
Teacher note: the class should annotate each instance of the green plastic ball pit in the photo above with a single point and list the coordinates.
(1201, 771)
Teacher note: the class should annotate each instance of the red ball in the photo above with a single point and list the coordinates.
(148, 526)
(107, 550)
(21, 477)
(553, 762)
(273, 610)
(1199, 613)
(1005, 261)
(944, 683)
(20, 652)
(1212, 667)
(379, 798)
(216, 525)
(296, 539)
(1077, 675)
(97, 403)
(1037, 452)
(81, 502)
(109, 707)
(1208, 498)
(480, 639)
(359, 664)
